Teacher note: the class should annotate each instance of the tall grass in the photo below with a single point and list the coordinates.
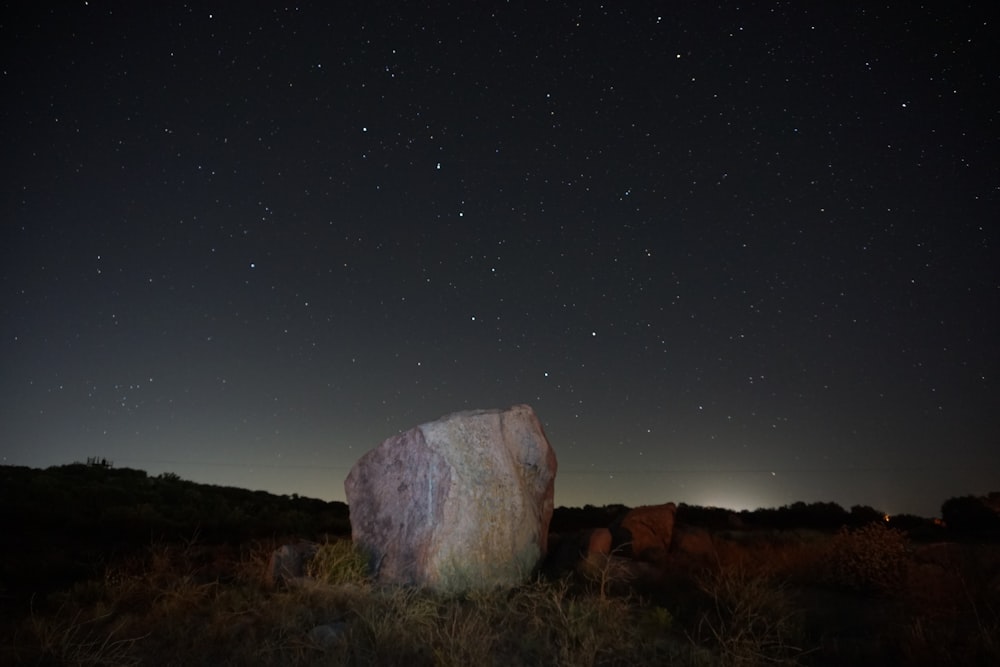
(182, 605)
(750, 619)
(339, 562)
(162, 610)
(73, 637)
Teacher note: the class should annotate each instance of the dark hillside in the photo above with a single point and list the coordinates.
(66, 522)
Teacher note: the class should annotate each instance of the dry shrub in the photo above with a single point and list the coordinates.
(552, 624)
(607, 573)
(870, 559)
(467, 631)
(253, 567)
(538, 623)
(954, 599)
(750, 620)
(392, 626)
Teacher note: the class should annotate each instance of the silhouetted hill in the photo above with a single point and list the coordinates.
(122, 503)
(65, 521)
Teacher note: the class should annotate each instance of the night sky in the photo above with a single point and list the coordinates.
(738, 256)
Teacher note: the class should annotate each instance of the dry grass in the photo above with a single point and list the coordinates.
(751, 619)
(75, 638)
(339, 562)
(760, 601)
(870, 559)
(161, 609)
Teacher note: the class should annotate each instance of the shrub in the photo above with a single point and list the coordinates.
(606, 573)
(870, 559)
(656, 621)
(751, 619)
(970, 516)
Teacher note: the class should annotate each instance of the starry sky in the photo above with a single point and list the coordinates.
(738, 255)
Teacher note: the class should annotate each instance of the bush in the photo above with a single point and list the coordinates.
(970, 516)
(870, 559)
(751, 619)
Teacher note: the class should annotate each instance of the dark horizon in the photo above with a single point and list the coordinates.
(103, 463)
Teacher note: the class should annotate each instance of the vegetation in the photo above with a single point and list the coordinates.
(971, 516)
(68, 521)
(339, 562)
(125, 504)
(870, 559)
(194, 586)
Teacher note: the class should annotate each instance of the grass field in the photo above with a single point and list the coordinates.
(113, 567)
(865, 597)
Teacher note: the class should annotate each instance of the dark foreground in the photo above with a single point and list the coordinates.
(90, 576)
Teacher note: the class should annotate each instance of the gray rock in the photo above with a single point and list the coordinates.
(288, 562)
(456, 504)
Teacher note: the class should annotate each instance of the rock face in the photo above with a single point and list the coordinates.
(649, 530)
(460, 503)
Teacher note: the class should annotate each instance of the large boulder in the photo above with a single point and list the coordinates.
(460, 503)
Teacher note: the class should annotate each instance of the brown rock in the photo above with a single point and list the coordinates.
(599, 542)
(649, 530)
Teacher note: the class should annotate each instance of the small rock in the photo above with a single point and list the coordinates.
(288, 562)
